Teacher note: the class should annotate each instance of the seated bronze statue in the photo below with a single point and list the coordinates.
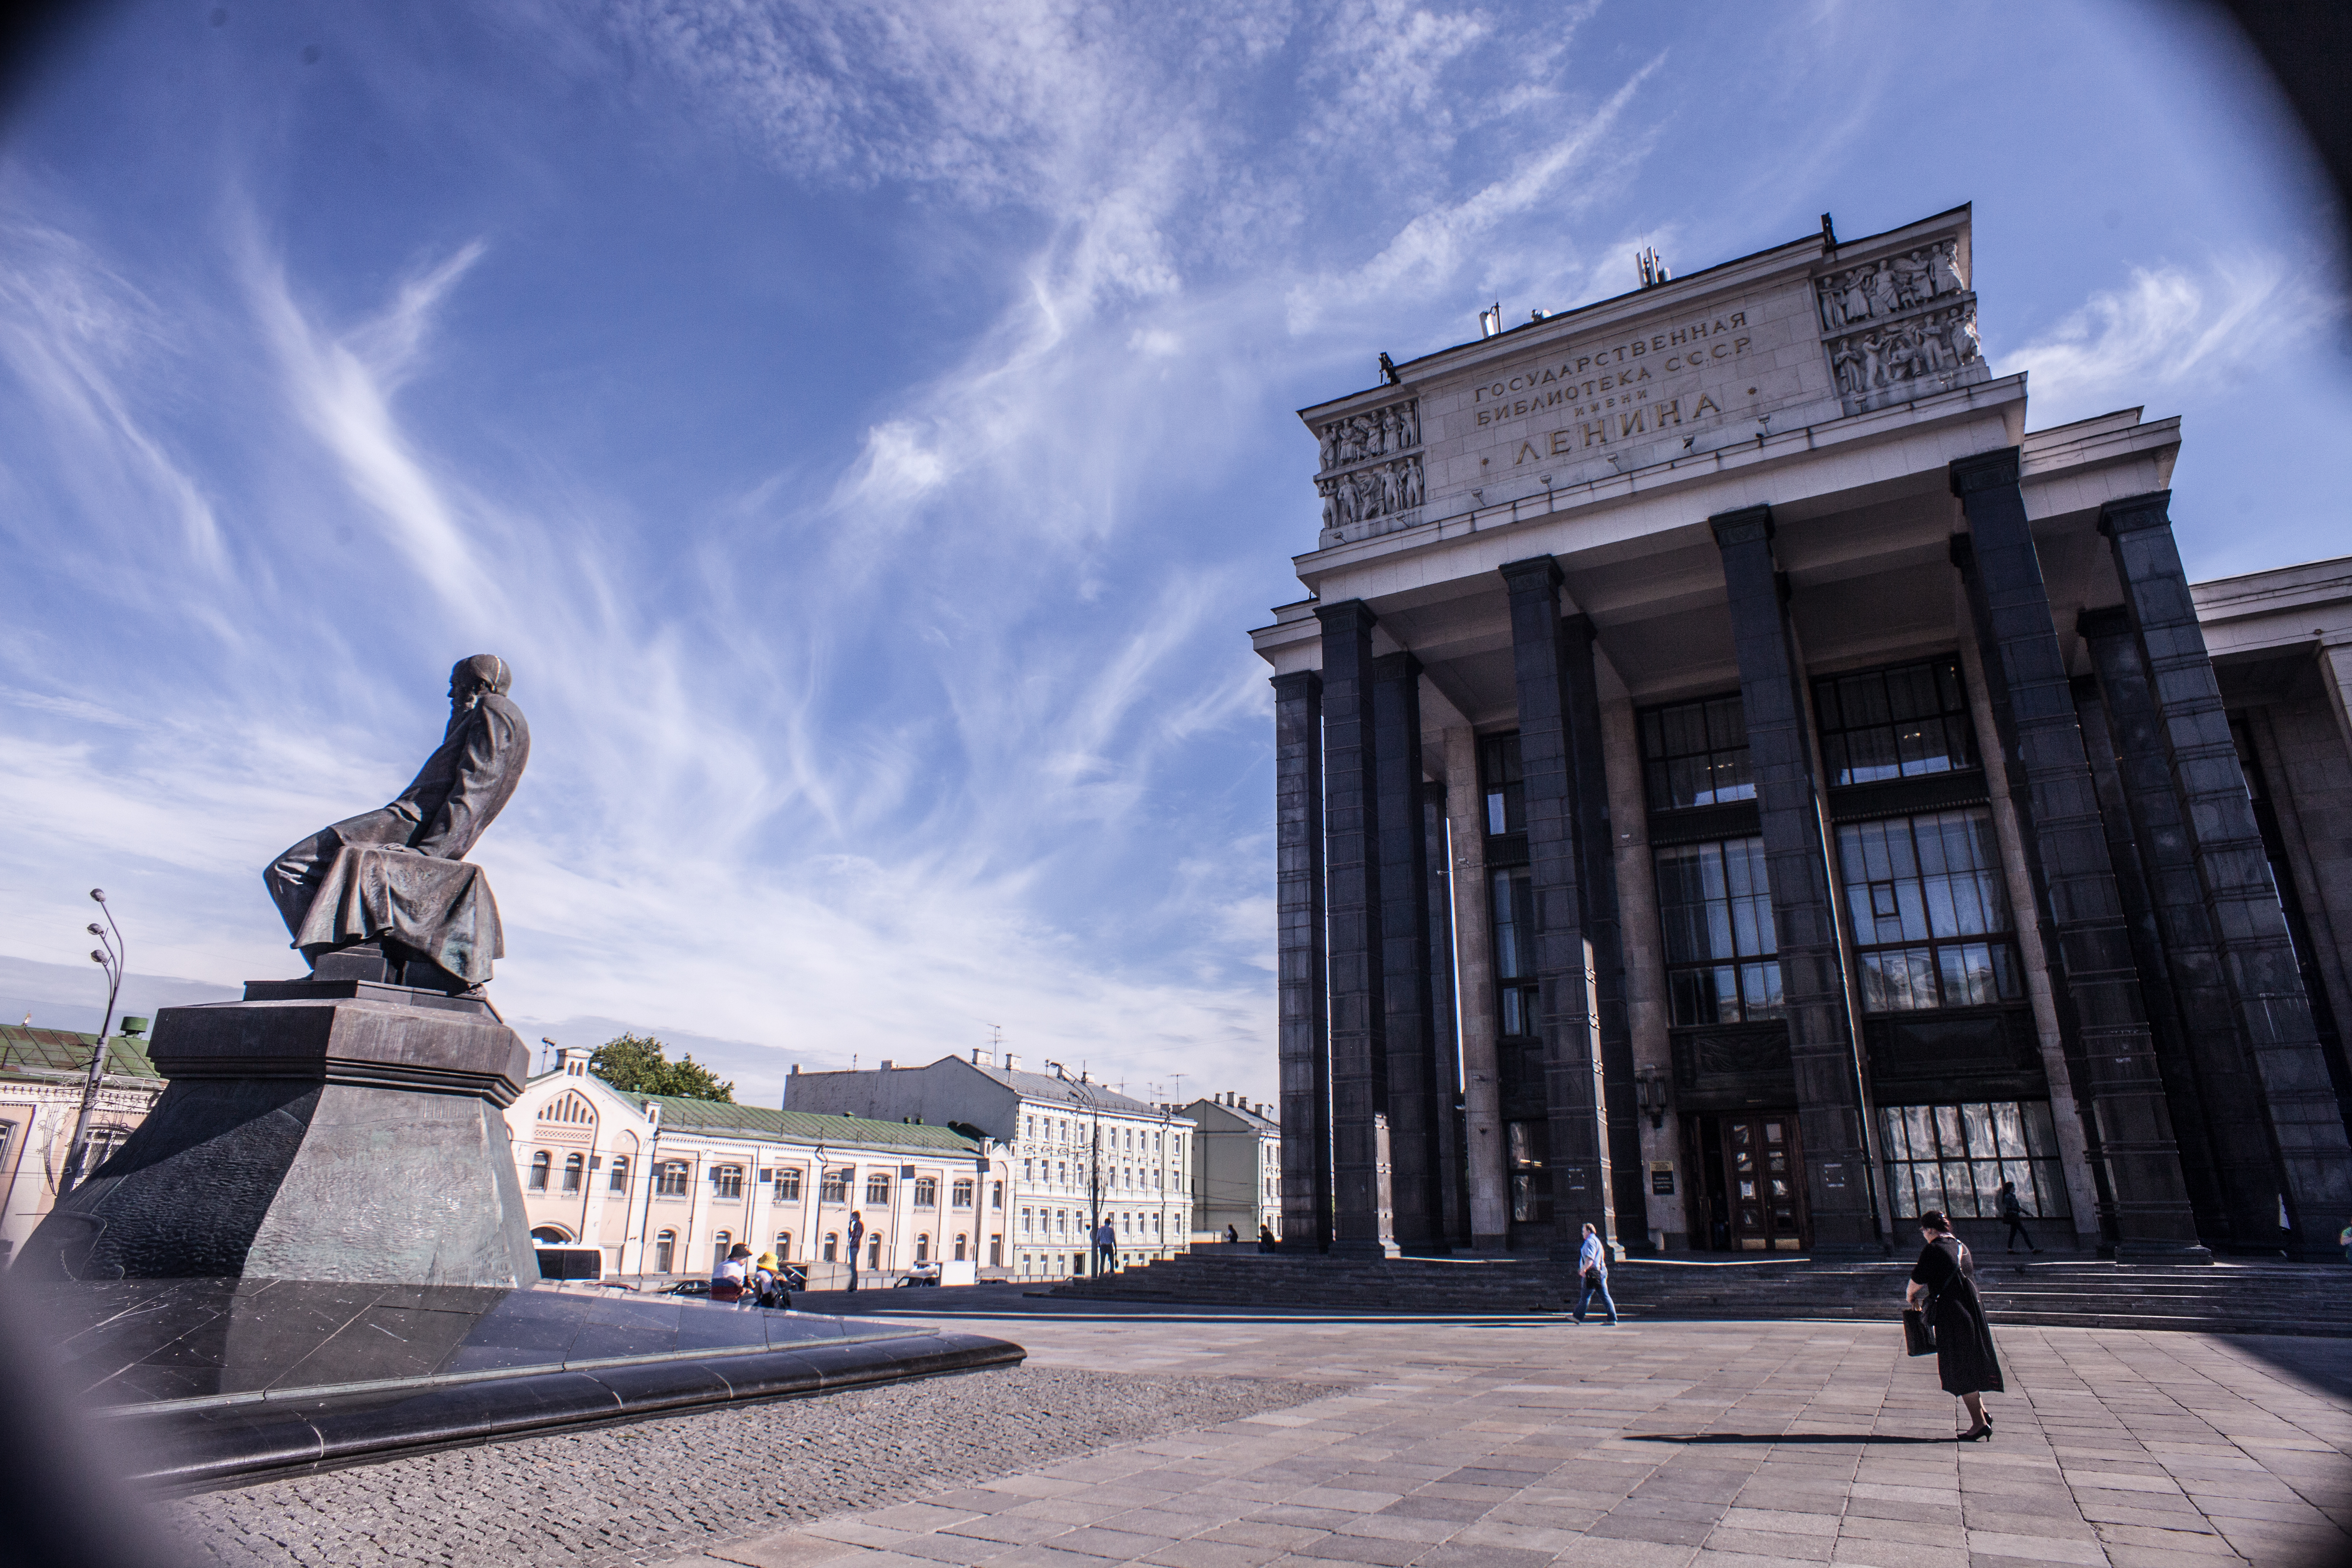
(388, 894)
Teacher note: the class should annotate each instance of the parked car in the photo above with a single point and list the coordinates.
(686, 1288)
(920, 1274)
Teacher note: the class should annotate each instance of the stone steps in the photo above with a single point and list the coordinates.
(2231, 1297)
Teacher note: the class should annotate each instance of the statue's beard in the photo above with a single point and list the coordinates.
(458, 708)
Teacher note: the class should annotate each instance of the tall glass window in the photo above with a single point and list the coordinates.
(1929, 912)
(1530, 1155)
(1905, 722)
(1498, 765)
(1955, 1158)
(1696, 753)
(1717, 912)
(1515, 952)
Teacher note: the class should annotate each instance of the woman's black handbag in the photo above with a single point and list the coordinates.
(1918, 1334)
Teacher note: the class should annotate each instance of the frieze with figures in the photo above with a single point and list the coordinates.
(1880, 365)
(1375, 433)
(1374, 490)
(1890, 286)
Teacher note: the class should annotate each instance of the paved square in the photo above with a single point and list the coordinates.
(1195, 1439)
(1660, 1445)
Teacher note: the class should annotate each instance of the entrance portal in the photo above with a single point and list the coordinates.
(1761, 1207)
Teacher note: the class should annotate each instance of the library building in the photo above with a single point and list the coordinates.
(1741, 785)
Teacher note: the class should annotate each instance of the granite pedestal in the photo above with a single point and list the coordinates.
(314, 1252)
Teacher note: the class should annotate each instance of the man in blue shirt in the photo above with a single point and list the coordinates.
(1593, 1267)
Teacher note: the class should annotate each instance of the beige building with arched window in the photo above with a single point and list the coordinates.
(664, 1185)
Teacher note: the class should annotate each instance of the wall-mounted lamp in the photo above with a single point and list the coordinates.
(1650, 1090)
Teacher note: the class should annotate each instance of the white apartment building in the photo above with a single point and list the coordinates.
(42, 1075)
(1074, 1150)
(1236, 1168)
(665, 1186)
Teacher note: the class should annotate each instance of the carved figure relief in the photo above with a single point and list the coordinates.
(1378, 489)
(1377, 434)
(1889, 287)
(1932, 344)
(1370, 469)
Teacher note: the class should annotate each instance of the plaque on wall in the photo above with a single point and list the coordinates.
(1661, 1178)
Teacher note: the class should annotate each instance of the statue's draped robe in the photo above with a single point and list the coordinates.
(399, 873)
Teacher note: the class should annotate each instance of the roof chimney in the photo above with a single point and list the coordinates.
(886, 1065)
(981, 1056)
(796, 1069)
(1011, 1062)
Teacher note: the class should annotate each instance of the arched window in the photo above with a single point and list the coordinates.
(540, 1164)
(727, 1181)
(549, 1235)
(832, 1248)
(783, 1247)
(996, 1252)
(569, 1109)
(923, 1247)
(574, 1167)
(721, 1244)
(620, 1180)
(959, 1247)
(665, 1245)
(874, 1250)
(926, 1192)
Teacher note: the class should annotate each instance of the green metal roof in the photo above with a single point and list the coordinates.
(64, 1051)
(687, 1114)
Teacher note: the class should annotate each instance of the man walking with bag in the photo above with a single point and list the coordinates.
(1593, 1269)
(2013, 1213)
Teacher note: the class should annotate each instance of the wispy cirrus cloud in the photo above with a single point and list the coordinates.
(2170, 326)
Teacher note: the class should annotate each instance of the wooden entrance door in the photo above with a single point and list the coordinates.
(1763, 1174)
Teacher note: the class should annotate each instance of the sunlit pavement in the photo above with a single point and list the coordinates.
(1509, 1441)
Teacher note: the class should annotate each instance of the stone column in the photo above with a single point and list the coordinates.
(1304, 1042)
(1410, 1020)
(2208, 1076)
(1812, 978)
(2336, 673)
(1645, 965)
(1361, 1222)
(1454, 1217)
(1597, 879)
(1564, 964)
(2060, 1044)
(1474, 945)
(2066, 844)
(2258, 961)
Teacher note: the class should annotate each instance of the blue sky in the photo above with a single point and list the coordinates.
(865, 428)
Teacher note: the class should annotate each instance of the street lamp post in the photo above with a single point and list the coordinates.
(1093, 1158)
(108, 956)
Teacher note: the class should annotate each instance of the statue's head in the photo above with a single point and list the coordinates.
(470, 678)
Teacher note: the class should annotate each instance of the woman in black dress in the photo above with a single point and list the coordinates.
(1944, 1286)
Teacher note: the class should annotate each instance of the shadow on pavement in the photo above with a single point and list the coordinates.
(1817, 1437)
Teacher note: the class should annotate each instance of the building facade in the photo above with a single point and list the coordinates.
(665, 1186)
(1236, 1168)
(1740, 787)
(43, 1073)
(1076, 1153)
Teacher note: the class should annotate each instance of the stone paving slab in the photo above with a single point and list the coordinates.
(1464, 1445)
(1668, 1445)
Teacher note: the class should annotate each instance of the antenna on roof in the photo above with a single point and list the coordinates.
(1654, 271)
(1490, 320)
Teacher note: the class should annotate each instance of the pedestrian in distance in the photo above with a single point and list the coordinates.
(1106, 1243)
(734, 1271)
(768, 1284)
(1265, 1238)
(1593, 1276)
(856, 1234)
(1232, 1236)
(2013, 1213)
(1944, 1287)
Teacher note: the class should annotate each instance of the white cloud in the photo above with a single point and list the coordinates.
(2170, 326)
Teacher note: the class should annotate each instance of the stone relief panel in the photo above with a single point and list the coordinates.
(1372, 470)
(1376, 434)
(1900, 327)
(1890, 286)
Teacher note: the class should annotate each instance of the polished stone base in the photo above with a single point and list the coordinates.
(212, 1383)
(319, 1130)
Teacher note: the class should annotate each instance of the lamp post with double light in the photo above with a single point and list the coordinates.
(108, 956)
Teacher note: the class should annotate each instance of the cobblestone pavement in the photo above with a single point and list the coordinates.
(1659, 1445)
(623, 1494)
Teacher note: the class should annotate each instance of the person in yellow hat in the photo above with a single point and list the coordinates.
(767, 1285)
